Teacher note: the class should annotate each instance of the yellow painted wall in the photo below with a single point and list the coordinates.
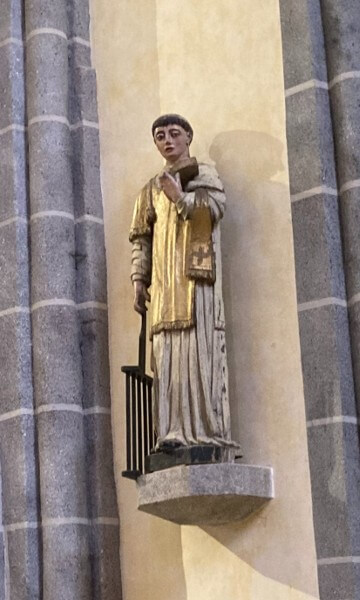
(218, 63)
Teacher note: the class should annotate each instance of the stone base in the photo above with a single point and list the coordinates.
(189, 455)
(210, 494)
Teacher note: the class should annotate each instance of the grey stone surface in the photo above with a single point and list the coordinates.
(341, 19)
(11, 19)
(310, 141)
(83, 100)
(335, 483)
(345, 106)
(46, 13)
(14, 273)
(15, 363)
(47, 75)
(18, 470)
(2, 568)
(94, 355)
(354, 321)
(25, 564)
(56, 356)
(205, 494)
(68, 563)
(105, 568)
(79, 18)
(326, 362)
(303, 42)
(79, 55)
(50, 167)
(13, 175)
(12, 93)
(100, 467)
(91, 264)
(53, 258)
(318, 249)
(86, 165)
(339, 582)
(62, 458)
(350, 220)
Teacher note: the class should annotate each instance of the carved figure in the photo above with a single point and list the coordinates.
(176, 249)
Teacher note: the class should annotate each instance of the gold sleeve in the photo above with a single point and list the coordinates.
(143, 216)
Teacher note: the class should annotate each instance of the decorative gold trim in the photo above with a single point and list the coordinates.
(171, 326)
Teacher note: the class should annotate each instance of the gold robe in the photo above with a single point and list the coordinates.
(181, 248)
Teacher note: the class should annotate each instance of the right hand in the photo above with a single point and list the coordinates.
(141, 296)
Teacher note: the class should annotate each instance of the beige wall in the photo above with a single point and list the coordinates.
(220, 65)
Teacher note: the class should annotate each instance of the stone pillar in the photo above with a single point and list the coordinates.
(322, 299)
(342, 33)
(59, 508)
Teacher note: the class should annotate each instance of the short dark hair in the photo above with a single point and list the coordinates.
(172, 119)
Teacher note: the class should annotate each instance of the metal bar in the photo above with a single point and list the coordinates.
(139, 424)
(142, 344)
(146, 419)
(133, 423)
(128, 423)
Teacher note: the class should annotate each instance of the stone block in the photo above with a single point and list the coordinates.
(86, 169)
(62, 457)
(52, 258)
(79, 18)
(105, 562)
(18, 470)
(47, 75)
(339, 581)
(335, 484)
(354, 322)
(11, 20)
(350, 221)
(318, 249)
(99, 466)
(95, 357)
(205, 494)
(14, 265)
(68, 562)
(341, 19)
(79, 55)
(91, 263)
(24, 548)
(83, 99)
(12, 86)
(56, 356)
(15, 363)
(13, 195)
(310, 141)
(326, 362)
(303, 42)
(46, 13)
(345, 107)
(50, 167)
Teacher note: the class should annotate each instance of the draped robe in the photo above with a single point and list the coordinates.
(176, 250)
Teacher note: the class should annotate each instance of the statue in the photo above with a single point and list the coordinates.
(175, 239)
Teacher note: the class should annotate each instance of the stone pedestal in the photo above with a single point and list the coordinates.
(205, 494)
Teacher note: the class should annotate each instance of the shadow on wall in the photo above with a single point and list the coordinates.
(246, 161)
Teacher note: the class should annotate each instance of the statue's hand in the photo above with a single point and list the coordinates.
(171, 186)
(141, 296)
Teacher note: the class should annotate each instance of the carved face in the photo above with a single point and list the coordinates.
(172, 141)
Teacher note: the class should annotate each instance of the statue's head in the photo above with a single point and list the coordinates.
(172, 136)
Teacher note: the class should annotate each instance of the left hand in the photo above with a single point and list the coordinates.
(171, 186)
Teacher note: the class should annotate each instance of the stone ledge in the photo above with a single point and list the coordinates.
(212, 494)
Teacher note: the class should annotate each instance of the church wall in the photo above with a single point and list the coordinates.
(222, 69)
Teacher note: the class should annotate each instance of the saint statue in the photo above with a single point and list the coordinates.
(175, 239)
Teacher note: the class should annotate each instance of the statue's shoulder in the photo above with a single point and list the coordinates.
(209, 176)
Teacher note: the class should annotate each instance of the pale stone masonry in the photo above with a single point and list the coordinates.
(321, 46)
(59, 535)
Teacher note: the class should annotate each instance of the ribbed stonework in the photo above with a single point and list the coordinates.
(59, 533)
(322, 79)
